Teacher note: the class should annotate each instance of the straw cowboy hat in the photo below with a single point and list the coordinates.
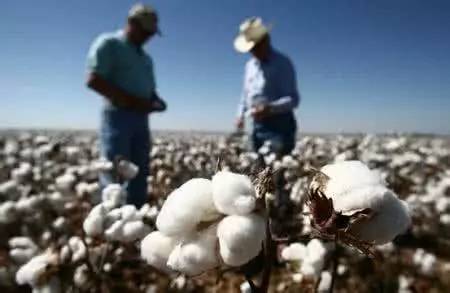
(251, 31)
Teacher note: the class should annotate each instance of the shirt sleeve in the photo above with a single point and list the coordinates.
(290, 97)
(242, 107)
(100, 57)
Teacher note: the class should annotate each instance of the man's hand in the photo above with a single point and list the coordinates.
(158, 104)
(260, 112)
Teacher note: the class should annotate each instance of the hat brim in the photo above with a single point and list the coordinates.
(242, 45)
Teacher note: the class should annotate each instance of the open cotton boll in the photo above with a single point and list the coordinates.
(195, 254)
(114, 232)
(293, 252)
(127, 170)
(186, 207)
(240, 238)
(79, 250)
(325, 282)
(129, 213)
(8, 212)
(94, 222)
(233, 194)
(31, 272)
(348, 175)
(390, 219)
(314, 258)
(147, 211)
(354, 187)
(65, 182)
(102, 165)
(134, 230)
(156, 248)
(113, 195)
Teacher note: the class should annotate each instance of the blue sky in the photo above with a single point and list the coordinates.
(372, 66)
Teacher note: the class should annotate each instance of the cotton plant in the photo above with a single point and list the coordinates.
(207, 224)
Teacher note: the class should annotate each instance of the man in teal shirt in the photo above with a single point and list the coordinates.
(122, 72)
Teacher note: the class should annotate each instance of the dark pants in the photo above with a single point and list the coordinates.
(124, 133)
(279, 130)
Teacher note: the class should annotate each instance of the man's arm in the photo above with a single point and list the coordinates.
(291, 97)
(242, 106)
(117, 96)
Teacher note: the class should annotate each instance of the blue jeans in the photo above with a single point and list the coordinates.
(125, 133)
(279, 130)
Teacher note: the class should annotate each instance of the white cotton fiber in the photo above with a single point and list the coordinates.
(233, 194)
(134, 230)
(8, 212)
(113, 195)
(314, 259)
(30, 272)
(390, 219)
(195, 254)
(114, 232)
(65, 182)
(353, 187)
(240, 238)
(293, 252)
(156, 248)
(79, 250)
(186, 207)
(94, 222)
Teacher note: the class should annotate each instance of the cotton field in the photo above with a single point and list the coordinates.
(359, 213)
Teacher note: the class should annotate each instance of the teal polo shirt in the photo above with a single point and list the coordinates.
(122, 63)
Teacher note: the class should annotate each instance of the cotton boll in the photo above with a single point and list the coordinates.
(325, 282)
(102, 165)
(9, 190)
(8, 212)
(314, 259)
(94, 222)
(134, 230)
(79, 250)
(115, 232)
(29, 204)
(113, 195)
(127, 170)
(21, 255)
(293, 252)
(129, 213)
(59, 223)
(81, 277)
(245, 287)
(233, 194)
(348, 175)
(195, 254)
(147, 211)
(425, 261)
(64, 183)
(391, 219)
(354, 187)
(65, 254)
(156, 248)
(240, 238)
(31, 272)
(186, 207)
(22, 172)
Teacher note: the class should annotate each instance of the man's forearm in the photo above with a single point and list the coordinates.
(284, 104)
(117, 96)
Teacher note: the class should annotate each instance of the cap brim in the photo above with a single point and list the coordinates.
(242, 45)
